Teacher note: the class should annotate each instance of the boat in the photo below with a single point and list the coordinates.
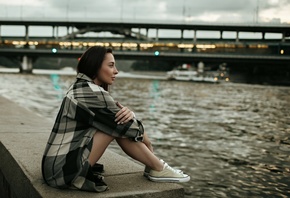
(187, 72)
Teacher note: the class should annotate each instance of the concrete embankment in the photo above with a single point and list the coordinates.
(23, 136)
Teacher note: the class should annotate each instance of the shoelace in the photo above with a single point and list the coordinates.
(178, 170)
(172, 169)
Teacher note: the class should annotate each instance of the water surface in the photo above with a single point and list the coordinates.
(232, 139)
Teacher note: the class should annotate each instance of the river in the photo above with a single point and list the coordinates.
(232, 139)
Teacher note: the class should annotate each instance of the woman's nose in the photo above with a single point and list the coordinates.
(116, 70)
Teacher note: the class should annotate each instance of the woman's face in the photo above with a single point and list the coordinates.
(107, 72)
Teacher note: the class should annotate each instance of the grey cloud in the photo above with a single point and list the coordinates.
(223, 10)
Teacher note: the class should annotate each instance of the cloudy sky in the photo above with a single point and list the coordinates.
(218, 11)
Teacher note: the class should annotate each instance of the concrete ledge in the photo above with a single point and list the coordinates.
(23, 136)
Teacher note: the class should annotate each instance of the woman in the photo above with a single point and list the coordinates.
(88, 121)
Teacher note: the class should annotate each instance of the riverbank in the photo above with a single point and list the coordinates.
(23, 136)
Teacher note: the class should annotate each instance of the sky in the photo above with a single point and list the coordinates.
(208, 11)
(169, 11)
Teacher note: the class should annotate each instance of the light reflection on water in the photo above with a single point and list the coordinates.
(233, 139)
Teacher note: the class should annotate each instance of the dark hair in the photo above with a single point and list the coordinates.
(91, 61)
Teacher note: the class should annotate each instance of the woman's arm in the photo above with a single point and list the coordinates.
(102, 110)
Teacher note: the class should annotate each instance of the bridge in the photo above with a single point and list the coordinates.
(148, 40)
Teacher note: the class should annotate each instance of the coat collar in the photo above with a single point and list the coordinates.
(82, 76)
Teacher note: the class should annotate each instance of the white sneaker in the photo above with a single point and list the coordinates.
(168, 174)
(148, 169)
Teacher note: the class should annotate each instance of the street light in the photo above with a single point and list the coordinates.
(156, 53)
(54, 50)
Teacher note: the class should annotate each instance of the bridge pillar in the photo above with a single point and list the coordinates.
(194, 36)
(157, 34)
(26, 66)
(139, 34)
(55, 30)
(26, 33)
(221, 34)
(283, 37)
(67, 30)
(263, 35)
(237, 37)
(182, 32)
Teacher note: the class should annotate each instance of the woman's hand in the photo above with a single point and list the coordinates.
(124, 115)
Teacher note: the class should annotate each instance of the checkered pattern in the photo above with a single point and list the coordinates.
(85, 109)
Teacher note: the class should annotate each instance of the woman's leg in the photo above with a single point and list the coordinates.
(137, 150)
(140, 152)
(100, 142)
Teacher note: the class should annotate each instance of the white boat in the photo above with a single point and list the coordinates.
(186, 72)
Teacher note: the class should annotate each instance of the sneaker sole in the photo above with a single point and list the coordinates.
(146, 174)
(169, 179)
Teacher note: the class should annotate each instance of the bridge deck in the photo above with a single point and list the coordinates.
(273, 28)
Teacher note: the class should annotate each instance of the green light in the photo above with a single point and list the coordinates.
(156, 53)
(53, 50)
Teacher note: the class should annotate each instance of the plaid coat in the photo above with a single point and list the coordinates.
(85, 109)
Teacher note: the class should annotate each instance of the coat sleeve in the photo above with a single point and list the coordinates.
(98, 109)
